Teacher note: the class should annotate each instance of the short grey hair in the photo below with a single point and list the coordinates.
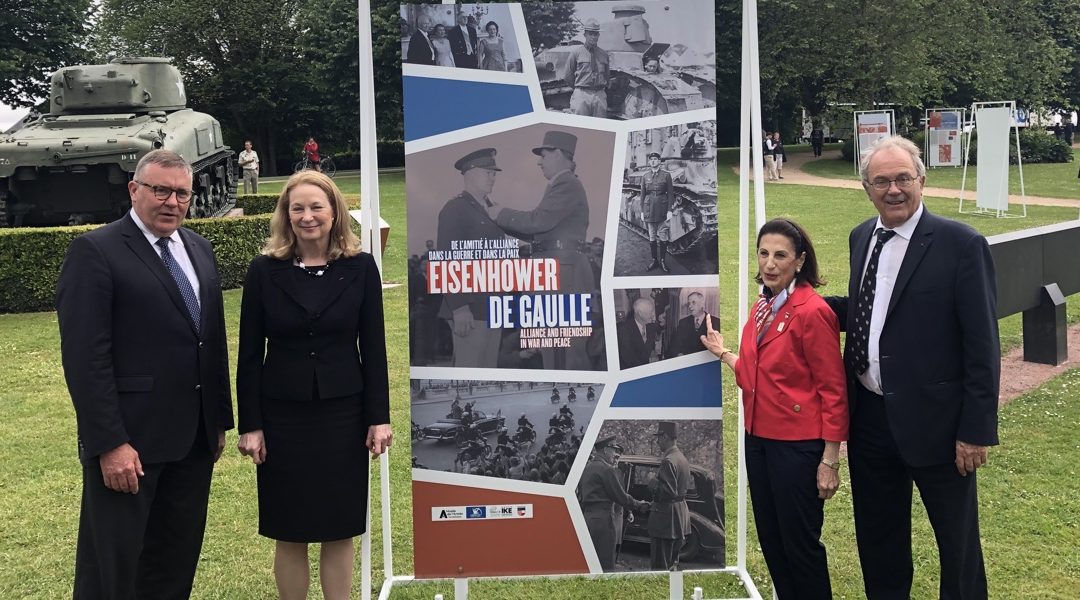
(895, 142)
(166, 159)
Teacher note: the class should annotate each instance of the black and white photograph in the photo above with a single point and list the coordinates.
(525, 430)
(463, 36)
(667, 220)
(662, 323)
(614, 60)
(652, 494)
(506, 247)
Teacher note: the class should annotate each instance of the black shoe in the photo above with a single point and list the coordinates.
(653, 265)
(661, 252)
(664, 266)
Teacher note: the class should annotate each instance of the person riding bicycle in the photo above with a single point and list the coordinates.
(311, 152)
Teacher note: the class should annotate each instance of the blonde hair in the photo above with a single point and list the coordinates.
(282, 242)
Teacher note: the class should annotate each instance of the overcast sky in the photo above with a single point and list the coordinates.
(8, 116)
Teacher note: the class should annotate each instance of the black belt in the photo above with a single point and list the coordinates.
(549, 245)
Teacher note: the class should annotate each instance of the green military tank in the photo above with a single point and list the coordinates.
(72, 165)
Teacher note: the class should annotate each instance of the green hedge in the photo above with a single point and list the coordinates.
(30, 258)
(257, 204)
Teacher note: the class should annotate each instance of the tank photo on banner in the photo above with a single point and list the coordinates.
(560, 181)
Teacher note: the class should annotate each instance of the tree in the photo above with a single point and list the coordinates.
(549, 23)
(39, 37)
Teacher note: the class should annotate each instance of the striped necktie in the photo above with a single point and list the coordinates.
(186, 291)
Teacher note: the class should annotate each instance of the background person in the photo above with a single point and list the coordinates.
(311, 152)
(769, 150)
(923, 365)
(249, 163)
(780, 157)
(312, 385)
(795, 402)
(142, 337)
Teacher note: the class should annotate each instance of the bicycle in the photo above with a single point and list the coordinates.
(326, 164)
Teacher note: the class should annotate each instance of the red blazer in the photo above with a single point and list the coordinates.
(793, 382)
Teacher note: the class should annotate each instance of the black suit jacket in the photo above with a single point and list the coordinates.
(136, 369)
(687, 338)
(939, 349)
(634, 351)
(462, 58)
(338, 342)
(420, 51)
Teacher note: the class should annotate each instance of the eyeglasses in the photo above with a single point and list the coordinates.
(903, 182)
(163, 193)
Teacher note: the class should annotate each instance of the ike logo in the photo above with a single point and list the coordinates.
(475, 512)
(521, 511)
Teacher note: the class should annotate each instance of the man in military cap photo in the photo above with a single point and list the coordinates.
(464, 218)
(669, 516)
(657, 196)
(556, 228)
(602, 499)
(588, 70)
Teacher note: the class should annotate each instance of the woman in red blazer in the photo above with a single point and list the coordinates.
(795, 404)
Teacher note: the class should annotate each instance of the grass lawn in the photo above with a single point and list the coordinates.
(1028, 493)
(1047, 180)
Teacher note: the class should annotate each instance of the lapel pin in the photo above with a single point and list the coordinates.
(780, 327)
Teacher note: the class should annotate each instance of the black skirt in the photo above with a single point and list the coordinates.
(313, 485)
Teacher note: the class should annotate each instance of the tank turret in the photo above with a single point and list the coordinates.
(72, 165)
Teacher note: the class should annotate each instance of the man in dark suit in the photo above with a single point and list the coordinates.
(637, 335)
(463, 43)
(923, 365)
(142, 333)
(669, 515)
(464, 218)
(688, 332)
(420, 50)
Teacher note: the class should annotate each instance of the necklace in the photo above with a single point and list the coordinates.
(313, 271)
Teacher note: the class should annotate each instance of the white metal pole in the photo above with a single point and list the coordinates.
(967, 157)
(751, 136)
(365, 549)
(855, 138)
(675, 585)
(755, 120)
(369, 161)
(461, 589)
(1019, 164)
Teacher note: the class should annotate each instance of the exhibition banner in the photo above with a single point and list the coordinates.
(993, 124)
(943, 135)
(871, 127)
(560, 177)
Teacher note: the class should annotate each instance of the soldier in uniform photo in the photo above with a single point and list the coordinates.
(599, 493)
(669, 517)
(657, 196)
(556, 228)
(588, 70)
(464, 218)
(688, 332)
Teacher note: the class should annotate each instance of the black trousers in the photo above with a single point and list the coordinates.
(664, 553)
(788, 514)
(146, 545)
(881, 486)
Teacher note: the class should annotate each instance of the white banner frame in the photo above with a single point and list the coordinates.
(855, 129)
(1000, 214)
(750, 121)
(926, 133)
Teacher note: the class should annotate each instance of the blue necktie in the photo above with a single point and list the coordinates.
(859, 340)
(182, 282)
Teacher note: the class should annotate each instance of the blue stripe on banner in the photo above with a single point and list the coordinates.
(434, 106)
(696, 387)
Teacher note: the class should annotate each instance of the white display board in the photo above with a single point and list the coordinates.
(992, 172)
(944, 131)
(870, 126)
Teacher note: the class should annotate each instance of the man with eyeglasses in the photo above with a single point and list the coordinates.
(923, 366)
(142, 331)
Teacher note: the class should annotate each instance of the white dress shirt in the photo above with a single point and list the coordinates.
(892, 256)
(176, 247)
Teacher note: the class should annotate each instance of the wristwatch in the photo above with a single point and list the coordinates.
(834, 465)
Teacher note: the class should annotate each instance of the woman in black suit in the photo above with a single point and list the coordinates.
(312, 384)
